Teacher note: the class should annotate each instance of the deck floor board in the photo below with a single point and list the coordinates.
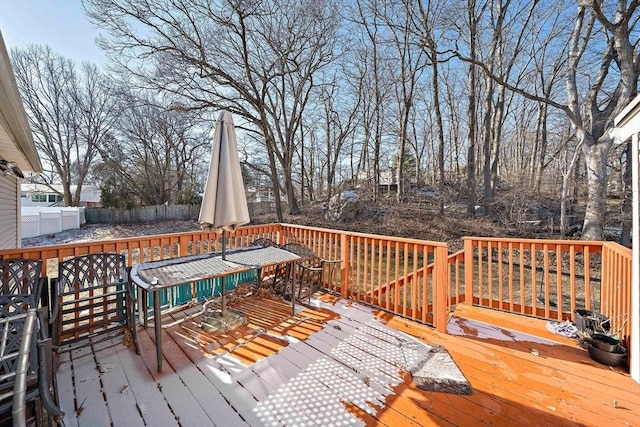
(121, 401)
(92, 408)
(336, 365)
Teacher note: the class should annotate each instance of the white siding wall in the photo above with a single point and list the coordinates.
(9, 213)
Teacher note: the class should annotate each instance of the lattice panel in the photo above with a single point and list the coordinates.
(20, 276)
(90, 271)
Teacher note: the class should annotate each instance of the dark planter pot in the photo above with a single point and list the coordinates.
(608, 358)
(605, 342)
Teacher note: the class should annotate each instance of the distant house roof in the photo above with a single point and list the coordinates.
(16, 141)
(89, 193)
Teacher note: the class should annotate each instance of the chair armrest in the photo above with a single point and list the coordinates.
(313, 267)
(53, 309)
(45, 374)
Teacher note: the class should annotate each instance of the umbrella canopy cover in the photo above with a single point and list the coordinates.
(224, 204)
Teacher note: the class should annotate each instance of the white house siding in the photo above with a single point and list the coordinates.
(9, 213)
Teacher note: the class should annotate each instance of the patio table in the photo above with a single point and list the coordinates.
(152, 277)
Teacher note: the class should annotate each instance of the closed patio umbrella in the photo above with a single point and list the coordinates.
(224, 204)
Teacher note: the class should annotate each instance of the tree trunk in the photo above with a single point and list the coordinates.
(436, 102)
(273, 175)
(471, 111)
(566, 178)
(595, 152)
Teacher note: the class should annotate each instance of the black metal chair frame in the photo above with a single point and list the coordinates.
(26, 368)
(96, 292)
(273, 275)
(309, 273)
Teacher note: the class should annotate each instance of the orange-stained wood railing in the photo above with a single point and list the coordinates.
(616, 288)
(544, 278)
(403, 276)
(455, 262)
(415, 278)
(144, 248)
(548, 278)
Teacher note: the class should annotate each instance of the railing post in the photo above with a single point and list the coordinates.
(344, 266)
(183, 246)
(441, 289)
(468, 271)
(280, 235)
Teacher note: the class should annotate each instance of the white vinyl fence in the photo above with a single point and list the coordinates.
(38, 221)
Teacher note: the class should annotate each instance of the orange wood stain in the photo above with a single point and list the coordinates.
(512, 386)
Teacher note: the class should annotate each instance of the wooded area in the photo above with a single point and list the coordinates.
(475, 96)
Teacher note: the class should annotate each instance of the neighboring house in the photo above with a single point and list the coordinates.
(388, 177)
(18, 152)
(260, 194)
(41, 195)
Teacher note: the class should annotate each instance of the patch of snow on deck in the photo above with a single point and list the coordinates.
(361, 370)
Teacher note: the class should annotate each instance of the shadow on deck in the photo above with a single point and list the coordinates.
(332, 365)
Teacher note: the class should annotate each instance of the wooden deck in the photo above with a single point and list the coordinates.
(331, 366)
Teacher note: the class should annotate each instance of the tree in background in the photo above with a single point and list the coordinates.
(600, 69)
(154, 155)
(259, 60)
(71, 111)
(327, 92)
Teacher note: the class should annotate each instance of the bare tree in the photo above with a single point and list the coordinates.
(70, 112)
(372, 85)
(340, 119)
(410, 62)
(260, 60)
(602, 45)
(472, 26)
(154, 156)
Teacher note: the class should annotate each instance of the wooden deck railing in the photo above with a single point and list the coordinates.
(548, 278)
(416, 278)
(403, 276)
(455, 262)
(616, 288)
(544, 278)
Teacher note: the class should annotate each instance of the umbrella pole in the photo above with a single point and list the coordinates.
(224, 278)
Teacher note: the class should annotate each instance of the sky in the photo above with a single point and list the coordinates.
(60, 24)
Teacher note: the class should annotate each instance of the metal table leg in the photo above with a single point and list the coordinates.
(157, 321)
(293, 291)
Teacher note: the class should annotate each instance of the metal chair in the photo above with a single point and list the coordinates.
(17, 331)
(93, 301)
(263, 241)
(25, 356)
(23, 276)
(274, 275)
(310, 273)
